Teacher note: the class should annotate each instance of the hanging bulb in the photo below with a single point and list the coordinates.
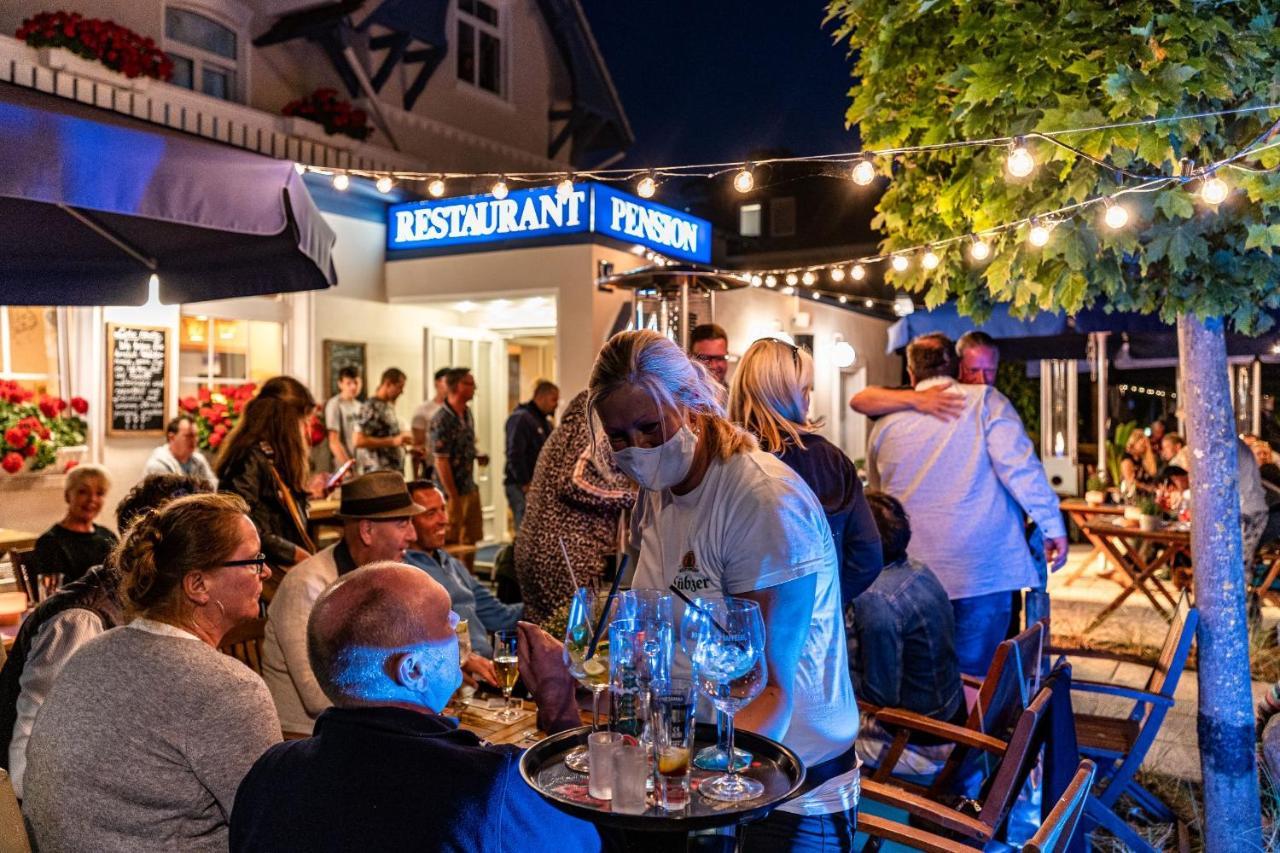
(771, 281)
(341, 181)
(930, 260)
(792, 279)
(1116, 216)
(863, 172)
(843, 299)
(869, 303)
(837, 273)
(756, 281)
(744, 180)
(646, 187)
(900, 263)
(788, 291)
(1214, 191)
(1020, 163)
(980, 249)
(564, 189)
(808, 278)
(384, 184)
(436, 187)
(858, 272)
(1038, 236)
(816, 295)
(499, 189)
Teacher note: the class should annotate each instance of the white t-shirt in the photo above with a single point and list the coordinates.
(751, 524)
(423, 414)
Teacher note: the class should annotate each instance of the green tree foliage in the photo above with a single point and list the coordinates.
(930, 71)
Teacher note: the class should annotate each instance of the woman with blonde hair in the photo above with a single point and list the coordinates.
(76, 544)
(770, 397)
(717, 517)
(149, 729)
(1138, 464)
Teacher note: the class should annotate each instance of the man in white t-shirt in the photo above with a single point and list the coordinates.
(340, 415)
(421, 425)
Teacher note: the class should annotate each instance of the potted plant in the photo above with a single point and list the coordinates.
(1095, 491)
(101, 50)
(38, 430)
(330, 114)
(1150, 518)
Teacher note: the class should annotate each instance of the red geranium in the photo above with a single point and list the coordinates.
(12, 462)
(116, 47)
(16, 437)
(337, 116)
(79, 405)
(215, 439)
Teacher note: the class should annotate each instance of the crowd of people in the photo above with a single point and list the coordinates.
(127, 728)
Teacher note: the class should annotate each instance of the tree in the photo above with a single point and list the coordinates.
(933, 71)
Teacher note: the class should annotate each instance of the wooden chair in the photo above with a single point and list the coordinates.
(24, 572)
(1120, 744)
(968, 823)
(1054, 835)
(244, 643)
(13, 832)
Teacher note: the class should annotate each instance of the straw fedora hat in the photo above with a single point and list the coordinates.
(377, 495)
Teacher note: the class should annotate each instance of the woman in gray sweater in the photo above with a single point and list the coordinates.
(149, 729)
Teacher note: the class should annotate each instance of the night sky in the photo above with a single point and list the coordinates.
(713, 80)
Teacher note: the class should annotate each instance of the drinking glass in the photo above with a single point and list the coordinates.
(711, 757)
(588, 608)
(673, 728)
(601, 747)
(630, 773)
(729, 669)
(506, 665)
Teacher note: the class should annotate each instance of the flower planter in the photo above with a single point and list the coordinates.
(307, 129)
(61, 59)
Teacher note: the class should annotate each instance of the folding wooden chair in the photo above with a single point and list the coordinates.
(24, 572)
(1120, 744)
(244, 643)
(1055, 833)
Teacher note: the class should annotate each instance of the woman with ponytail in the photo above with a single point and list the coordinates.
(149, 729)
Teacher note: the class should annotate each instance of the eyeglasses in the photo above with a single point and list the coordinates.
(258, 564)
(795, 351)
(708, 359)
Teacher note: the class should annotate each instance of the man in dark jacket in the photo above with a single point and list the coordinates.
(527, 430)
(384, 770)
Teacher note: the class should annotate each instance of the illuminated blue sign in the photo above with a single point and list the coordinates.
(542, 212)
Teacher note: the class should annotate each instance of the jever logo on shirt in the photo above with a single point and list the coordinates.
(687, 577)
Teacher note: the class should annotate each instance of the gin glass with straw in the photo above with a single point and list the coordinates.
(587, 613)
(696, 612)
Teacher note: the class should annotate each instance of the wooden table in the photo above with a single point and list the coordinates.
(1124, 546)
(16, 540)
(1083, 514)
(522, 732)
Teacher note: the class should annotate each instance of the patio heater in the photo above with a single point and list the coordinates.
(673, 299)
(1058, 409)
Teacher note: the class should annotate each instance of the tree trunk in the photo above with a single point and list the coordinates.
(1225, 724)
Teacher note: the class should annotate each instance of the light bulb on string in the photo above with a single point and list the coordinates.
(646, 187)
(771, 281)
(744, 181)
(869, 303)
(816, 295)
(499, 190)
(979, 249)
(858, 272)
(863, 172)
(436, 187)
(930, 260)
(756, 281)
(788, 291)
(792, 279)
(1038, 236)
(1116, 216)
(564, 189)
(843, 299)
(341, 181)
(808, 278)
(384, 184)
(900, 263)
(837, 273)
(1214, 191)
(1019, 162)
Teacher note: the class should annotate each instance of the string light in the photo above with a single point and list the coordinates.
(903, 306)
(341, 181)
(863, 172)
(1116, 216)
(788, 291)
(980, 249)
(869, 303)
(930, 260)
(384, 184)
(843, 299)
(792, 279)
(1020, 163)
(436, 187)
(808, 278)
(858, 272)
(837, 273)
(1038, 236)
(900, 263)
(756, 281)
(1214, 191)
(564, 189)
(646, 187)
(817, 294)
(744, 180)
(771, 281)
(499, 190)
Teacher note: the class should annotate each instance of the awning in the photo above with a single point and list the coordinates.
(1008, 330)
(92, 203)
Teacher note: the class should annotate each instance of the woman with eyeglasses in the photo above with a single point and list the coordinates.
(770, 398)
(718, 517)
(149, 729)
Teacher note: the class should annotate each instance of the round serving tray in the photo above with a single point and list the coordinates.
(776, 767)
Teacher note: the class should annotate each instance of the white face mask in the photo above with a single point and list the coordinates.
(661, 467)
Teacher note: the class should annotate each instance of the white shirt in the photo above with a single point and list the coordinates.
(752, 524)
(423, 414)
(162, 461)
(965, 484)
(51, 648)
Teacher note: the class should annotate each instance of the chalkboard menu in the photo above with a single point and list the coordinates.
(340, 354)
(137, 379)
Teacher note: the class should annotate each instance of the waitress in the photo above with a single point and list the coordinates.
(716, 517)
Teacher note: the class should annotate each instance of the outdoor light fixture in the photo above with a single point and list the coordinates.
(384, 184)
(1020, 163)
(771, 281)
(869, 303)
(809, 278)
(788, 291)
(744, 180)
(436, 187)
(837, 273)
(843, 354)
(341, 181)
(863, 172)
(756, 281)
(564, 189)
(792, 279)
(1038, 236)
(843, 299)
(900, 263)
(979, 250)
(930, 260)
(499, 189)
(816, 295)
(858, 273)
(646, 187)
(1116, 216)
(903, 306)
(1214, 191)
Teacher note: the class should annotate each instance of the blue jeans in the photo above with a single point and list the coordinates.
(516, 500)
(982, 622)
(784, 832)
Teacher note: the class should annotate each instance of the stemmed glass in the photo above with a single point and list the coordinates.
(585, 613)
(506, 665)
(711, 757)
(654, 609)
(729, 669)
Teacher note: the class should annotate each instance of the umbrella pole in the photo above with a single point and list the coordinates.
(110, 236)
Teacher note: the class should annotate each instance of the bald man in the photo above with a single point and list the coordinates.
(384, 771)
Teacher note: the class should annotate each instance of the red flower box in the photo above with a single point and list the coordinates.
(336, 116)
(116, 47)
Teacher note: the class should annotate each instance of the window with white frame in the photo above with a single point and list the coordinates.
(481, 60)
(215, 351)
(29, 347)
(205, 53)
(749, 216)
